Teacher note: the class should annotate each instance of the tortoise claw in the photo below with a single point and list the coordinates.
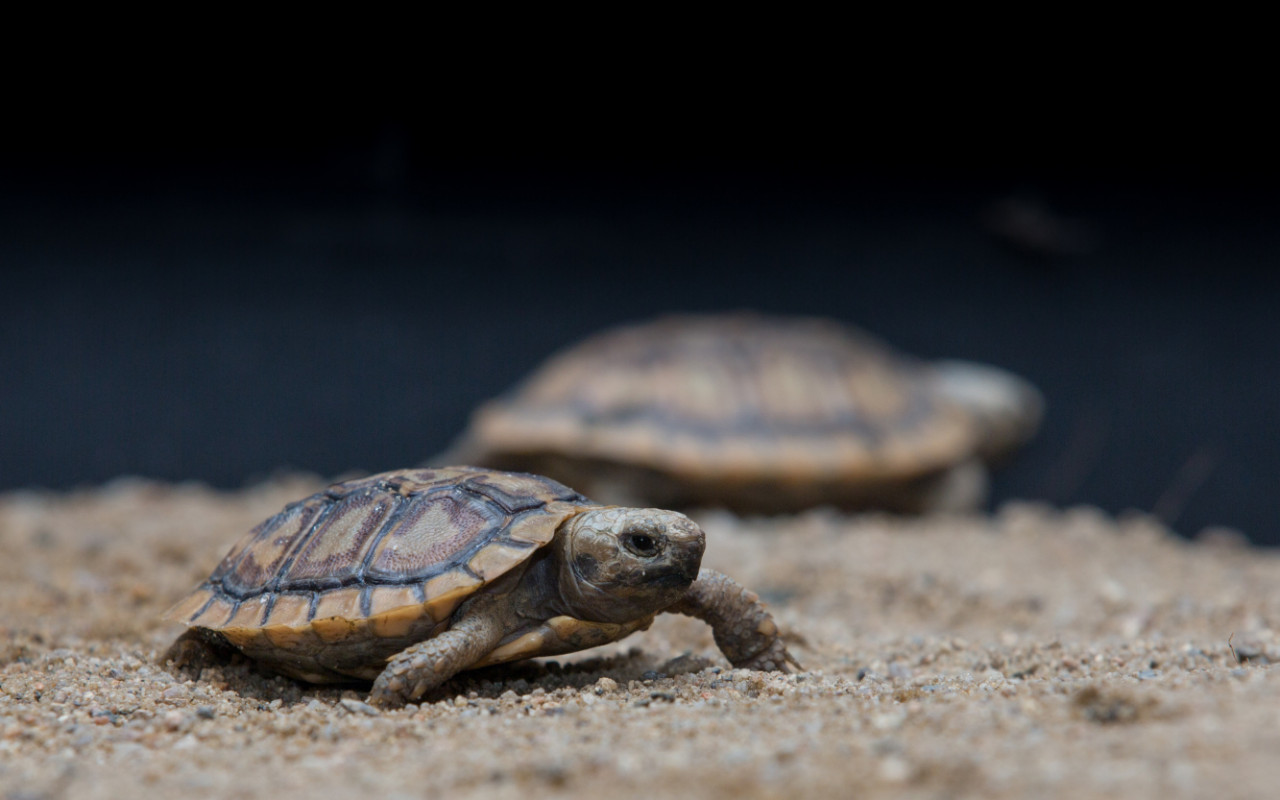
(774, 658)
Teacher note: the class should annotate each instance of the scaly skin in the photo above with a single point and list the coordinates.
(744, 631)
(424, 666)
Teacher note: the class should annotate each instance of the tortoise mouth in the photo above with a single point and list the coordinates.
(677, 571)
(682, 580)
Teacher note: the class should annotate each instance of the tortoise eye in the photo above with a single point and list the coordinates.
(641, 544)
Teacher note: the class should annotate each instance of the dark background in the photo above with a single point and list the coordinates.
(188, 303)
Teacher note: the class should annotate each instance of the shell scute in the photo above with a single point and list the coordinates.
(434, 532)
(446, 592)
(495, 559)
(192, 605)
(343, 603)
(214, 614)
(333, 554)
(250, 613)
(511, 491)
(293, 609)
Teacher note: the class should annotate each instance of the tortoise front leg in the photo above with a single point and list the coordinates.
(744, 631)
(478, 628)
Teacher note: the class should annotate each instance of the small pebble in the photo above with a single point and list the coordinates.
(361, 707)
(894, 769)
(174, 720)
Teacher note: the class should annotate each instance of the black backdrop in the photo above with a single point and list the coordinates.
(188, 306)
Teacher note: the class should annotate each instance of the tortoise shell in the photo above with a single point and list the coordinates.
(744, 410)
(367, 567)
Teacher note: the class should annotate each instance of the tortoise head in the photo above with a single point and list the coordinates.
(620, 564)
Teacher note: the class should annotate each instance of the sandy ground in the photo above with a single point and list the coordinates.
(1037, 652)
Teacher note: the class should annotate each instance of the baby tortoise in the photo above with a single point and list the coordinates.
(406, 578)
(756, 414)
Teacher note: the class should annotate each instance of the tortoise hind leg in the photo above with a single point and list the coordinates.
(478, 628)
(744, 631)
(198, 648)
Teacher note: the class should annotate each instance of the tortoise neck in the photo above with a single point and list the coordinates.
(574, 595)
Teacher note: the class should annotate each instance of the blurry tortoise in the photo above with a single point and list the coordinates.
(756, 414)
(406, 578)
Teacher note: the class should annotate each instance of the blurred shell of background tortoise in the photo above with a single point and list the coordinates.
(407, 577)
(755, 413)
